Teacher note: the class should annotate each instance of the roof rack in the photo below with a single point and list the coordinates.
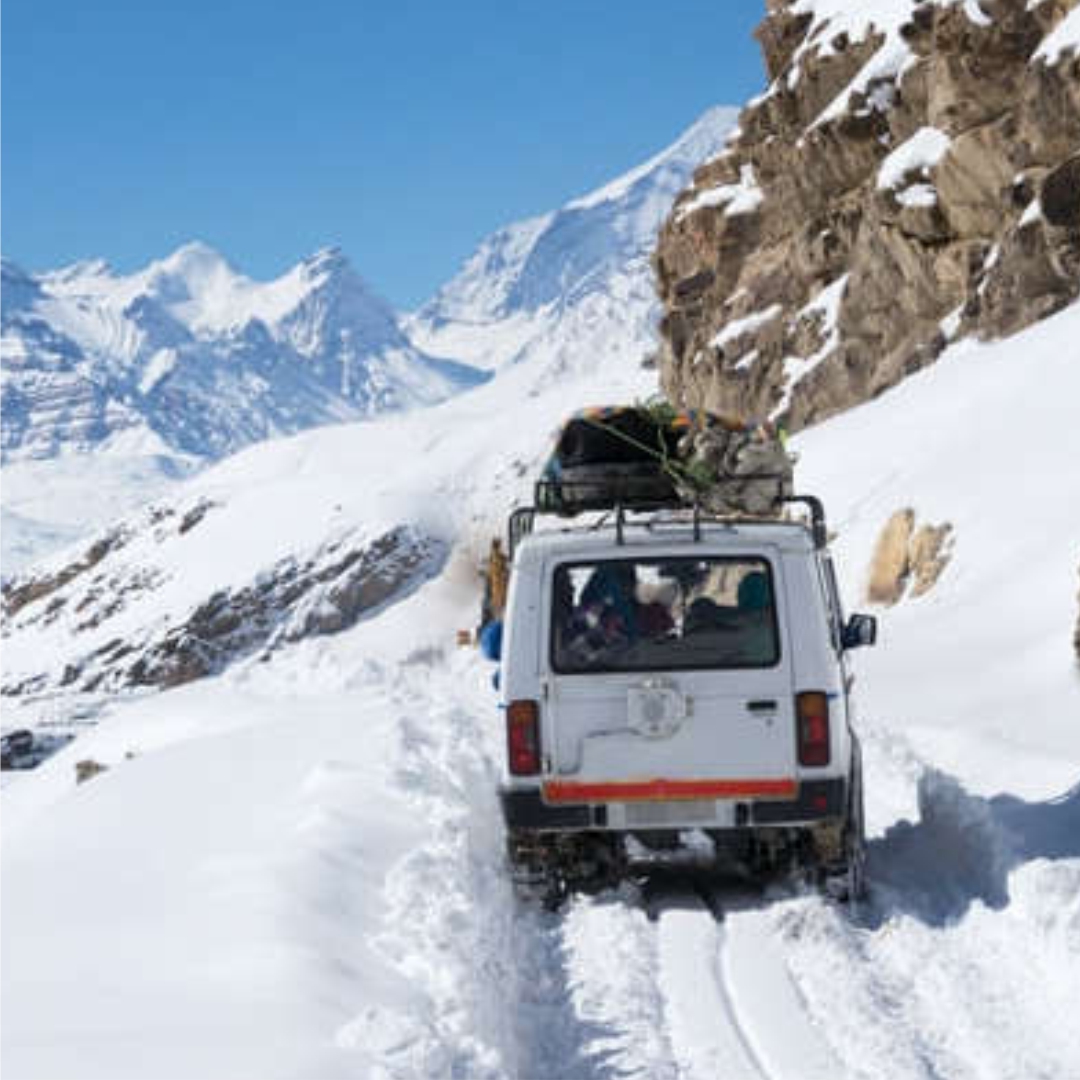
(550, 498)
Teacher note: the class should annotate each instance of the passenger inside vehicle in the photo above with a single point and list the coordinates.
(638, 616)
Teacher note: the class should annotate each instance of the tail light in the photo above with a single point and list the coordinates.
(523, 737)
(812, 724)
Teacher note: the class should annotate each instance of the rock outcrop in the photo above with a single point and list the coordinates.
(324, 591)
(907, 556)
(889, 565)
(911, 176)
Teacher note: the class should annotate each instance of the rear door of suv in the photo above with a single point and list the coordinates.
(669, 678)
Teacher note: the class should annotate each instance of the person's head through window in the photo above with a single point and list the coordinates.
(654, 609)
(753, 595)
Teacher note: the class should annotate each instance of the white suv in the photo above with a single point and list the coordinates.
(678, 686)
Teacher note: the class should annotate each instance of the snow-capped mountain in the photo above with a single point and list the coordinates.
(201, 356)
(119, 385)
(574, 284)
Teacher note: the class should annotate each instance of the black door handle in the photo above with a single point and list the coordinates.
(761, 706)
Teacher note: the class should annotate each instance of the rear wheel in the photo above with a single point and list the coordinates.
(849, 883)
(547, 867)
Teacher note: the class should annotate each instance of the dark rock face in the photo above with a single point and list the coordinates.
(322, 592)
(886, 196)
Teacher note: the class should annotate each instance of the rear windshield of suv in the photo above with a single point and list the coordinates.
(663, 615)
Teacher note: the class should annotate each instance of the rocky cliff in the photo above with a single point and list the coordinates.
(911, 176)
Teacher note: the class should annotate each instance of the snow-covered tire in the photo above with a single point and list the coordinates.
(855, 833)
(845, 881)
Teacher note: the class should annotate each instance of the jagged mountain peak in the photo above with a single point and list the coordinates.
(573, 252)
(328, 261)
(323, 302)
(81, 271)
(197, 285)
(700, 140)
(194, 257)
(196, 262)
(330, 271)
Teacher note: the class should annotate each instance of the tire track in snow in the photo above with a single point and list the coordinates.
(770, 1009)
(729, 1002)
(706, 1034)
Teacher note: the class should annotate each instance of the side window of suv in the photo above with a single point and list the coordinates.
(832, 598)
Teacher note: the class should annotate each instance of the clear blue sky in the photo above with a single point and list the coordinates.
(403, 131)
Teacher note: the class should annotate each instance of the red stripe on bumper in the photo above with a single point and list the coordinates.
(570, 791)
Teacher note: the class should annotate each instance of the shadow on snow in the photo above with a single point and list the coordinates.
(963, 849)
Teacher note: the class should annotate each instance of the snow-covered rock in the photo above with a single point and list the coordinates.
(927, 154)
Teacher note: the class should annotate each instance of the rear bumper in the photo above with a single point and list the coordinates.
(526, 810)
(814, 800)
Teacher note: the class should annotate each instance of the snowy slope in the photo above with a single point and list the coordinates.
(445, 469)
(50, 504)
(310, 884)
(575, 283)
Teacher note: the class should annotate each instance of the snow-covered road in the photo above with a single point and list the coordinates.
(962, 964)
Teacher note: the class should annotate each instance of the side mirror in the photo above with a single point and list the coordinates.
(491, 640)
(860, 630)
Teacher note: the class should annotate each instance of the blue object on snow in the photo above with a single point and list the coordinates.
(491, 640)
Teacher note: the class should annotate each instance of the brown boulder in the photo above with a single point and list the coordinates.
(904, 555)
(890, 563)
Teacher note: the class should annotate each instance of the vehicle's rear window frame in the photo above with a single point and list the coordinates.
(761, 560)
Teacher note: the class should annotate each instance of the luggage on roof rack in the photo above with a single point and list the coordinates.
(609, 455)
(653, 457)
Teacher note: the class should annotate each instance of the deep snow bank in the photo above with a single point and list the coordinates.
(979, 672)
